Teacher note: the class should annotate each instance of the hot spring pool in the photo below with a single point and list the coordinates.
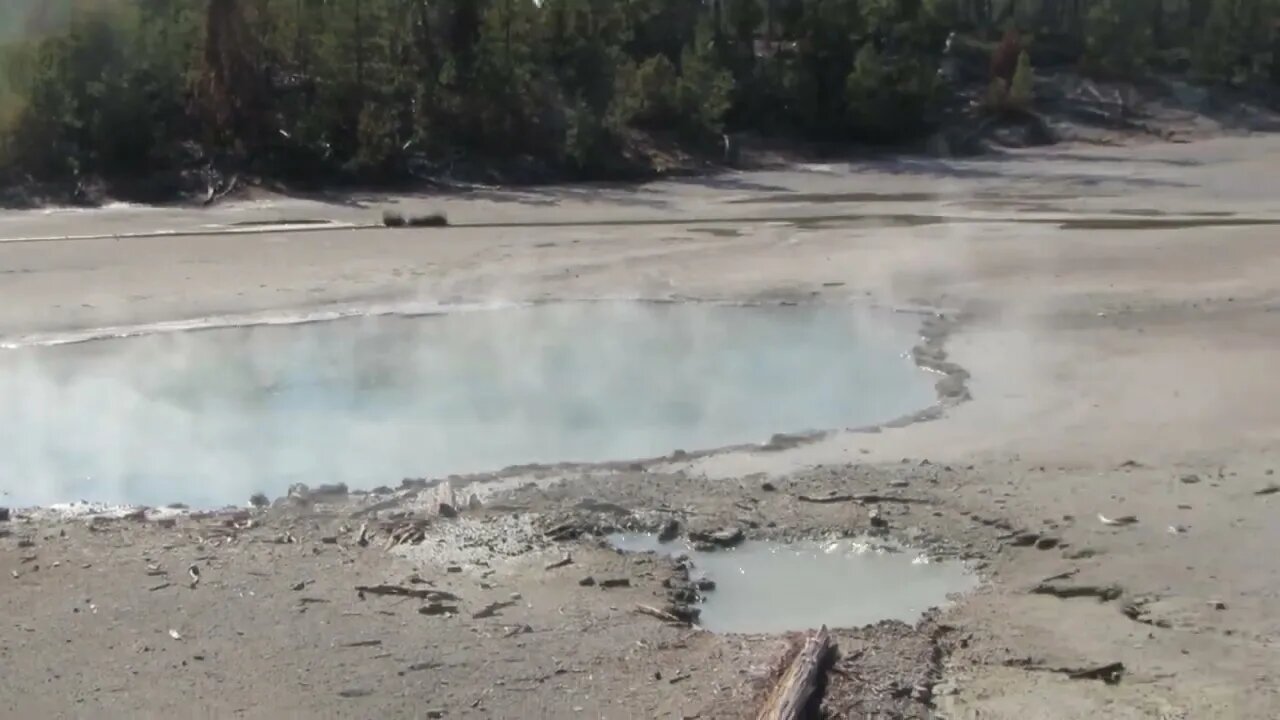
(210, 417)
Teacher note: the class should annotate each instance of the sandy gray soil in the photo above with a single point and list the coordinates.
(1115, 311)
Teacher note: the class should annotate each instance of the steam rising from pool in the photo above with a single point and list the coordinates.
(210, 417)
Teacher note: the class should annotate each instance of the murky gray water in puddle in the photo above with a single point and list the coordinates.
(764, 587)
(210, 417)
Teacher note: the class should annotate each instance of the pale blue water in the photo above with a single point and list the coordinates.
(768, 587)
(210, 417)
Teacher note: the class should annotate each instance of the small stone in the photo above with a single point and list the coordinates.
(615, 583)
(1189, 479)
(768, 487)
(587, 581)
(899, 483)
(705, 584)
(1217, 605)
(329, 540)
(670, 531)
(453, 569)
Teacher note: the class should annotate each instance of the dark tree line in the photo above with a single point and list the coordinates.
(311, 88)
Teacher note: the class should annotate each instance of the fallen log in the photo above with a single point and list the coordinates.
(660, 614)
(396, 590)
(790, 698)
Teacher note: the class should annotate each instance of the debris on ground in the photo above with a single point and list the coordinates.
(791, 696)
(562, 562)
(1104, 593)
(492, 609)
(401, 591)
(726, 538)
(1117, 522)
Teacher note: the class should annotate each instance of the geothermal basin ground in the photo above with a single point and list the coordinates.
(1058, 385)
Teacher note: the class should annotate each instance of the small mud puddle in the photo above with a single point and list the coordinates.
(769, 587)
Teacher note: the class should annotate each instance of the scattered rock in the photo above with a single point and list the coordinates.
(705, 584)
(670, 531)
(355, 693)
(1047, 543)
(685, 613)
(438, 608)
(587, 581)
(518, 630)
(492, 609)
(1025, 539)
(1117, 522)
(566, 560)
(330, 490)
(400, 591)
(615, 583)
(1136, 610)
(1104, 593)
(432, 219)
(1081, 554)
(447, 511)
(362, 643)
(877, 521)
(726, 538)
(1111, 673)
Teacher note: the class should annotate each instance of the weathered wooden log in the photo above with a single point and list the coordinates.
(790, 698)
